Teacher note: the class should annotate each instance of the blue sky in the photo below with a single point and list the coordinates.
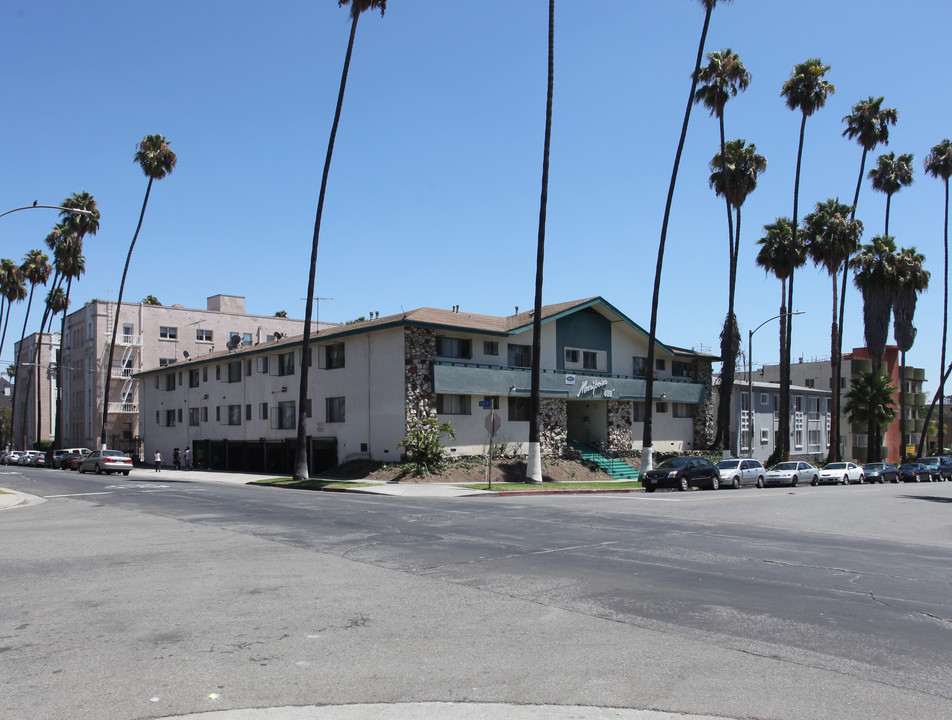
(434, 190)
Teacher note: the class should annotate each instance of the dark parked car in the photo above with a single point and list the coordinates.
(881, 472)
(939, 466)
(71, 460)
(682, 473)
(914, 472)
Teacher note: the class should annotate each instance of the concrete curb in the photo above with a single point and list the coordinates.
(14, 498)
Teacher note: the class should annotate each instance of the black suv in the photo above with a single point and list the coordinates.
(682, 473)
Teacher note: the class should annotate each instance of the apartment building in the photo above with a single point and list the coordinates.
(237, 408)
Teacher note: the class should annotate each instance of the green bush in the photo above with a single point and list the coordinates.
(424, 453)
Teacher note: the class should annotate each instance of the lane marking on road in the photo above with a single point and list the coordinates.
(136, 487)
(48, 497)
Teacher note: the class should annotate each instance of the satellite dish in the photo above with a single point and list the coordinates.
(233, 343)
(185, 353)
(278, 335)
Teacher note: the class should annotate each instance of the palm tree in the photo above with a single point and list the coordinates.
(157, 160)
(721, 79)
(734, 173)
(876, 276)
(832, 236)
(938, 163)
(646, 441)
(300, 462)
(150, 300)
(780, 254)
(868, 124)
(912, 280)
(870, 402)
(806, 91)
(37, 269)
(890, 175)
(12, 290)
(534, 461)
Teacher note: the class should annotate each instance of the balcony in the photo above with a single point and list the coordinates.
(129, 340)
(121, 373)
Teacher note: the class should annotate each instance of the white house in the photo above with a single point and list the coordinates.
(237, 409)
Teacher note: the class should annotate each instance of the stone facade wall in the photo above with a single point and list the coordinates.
(619, 424)
(705, 423)
(553, 426)
(419, 349)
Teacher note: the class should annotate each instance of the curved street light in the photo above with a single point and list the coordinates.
(750, 378)
(71, 211)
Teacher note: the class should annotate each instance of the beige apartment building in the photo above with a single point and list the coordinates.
(148, 336)
(34, 408)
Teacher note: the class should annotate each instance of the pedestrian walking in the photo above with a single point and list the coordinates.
(176, 459)
(188, 459)
(158, 460)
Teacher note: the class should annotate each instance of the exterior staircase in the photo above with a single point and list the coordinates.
(618, 469)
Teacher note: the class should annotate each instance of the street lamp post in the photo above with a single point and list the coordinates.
(71, 211)
(750, 378)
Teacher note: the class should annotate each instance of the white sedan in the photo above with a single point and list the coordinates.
(840, 472)
(792, 472)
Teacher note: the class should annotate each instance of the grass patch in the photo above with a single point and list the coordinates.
(526, 487)
(311, 484)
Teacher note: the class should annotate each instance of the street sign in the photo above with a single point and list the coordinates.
(493, 422)
(485, 404)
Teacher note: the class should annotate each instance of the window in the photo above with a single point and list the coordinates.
(248, 411)
(798, 403)
(168, 333)
(571, 356)
(263, 364)
(520, 355)
(193, 378)
(169, 418)
(335, 409)
(263, 411)
(218, 372)
(494, 399)
(680, 368)
(170, 381)
(764, 399)
(248, 365)
(178, 415)
(193, 415)
(218, 413)
(590, 360)
(204, 374)
(286, 363)
(234, 414)
(683, 410)
(518, 409)
(813, 437)
(764, 436)
(234, 371)
(333, 356)
(639, 366)
(246, 339)
(661, 407)
(659, 364)
(638, 411)
(810, 382)
(307, 407)
(452, 404)
(205, 414)
(453, 347)
(203, 335)
(490, 347)
(165, 362)
(744, 401)
(285, 418)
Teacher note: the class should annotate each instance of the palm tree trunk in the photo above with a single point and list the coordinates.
(834, 385)
(945, 321)
(300, 461)
(646, 440)
(722, 435)
(534, 464)
(58, 420)
(928, 418)
(115, 325)
(784, 429)
(902, 406)
(16, 366)
(873, 443)
(888, 203)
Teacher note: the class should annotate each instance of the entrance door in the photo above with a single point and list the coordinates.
(587, 422)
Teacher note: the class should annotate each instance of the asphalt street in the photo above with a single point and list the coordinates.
(150, 596)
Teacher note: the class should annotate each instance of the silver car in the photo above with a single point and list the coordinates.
(735, 473)
(792, 472)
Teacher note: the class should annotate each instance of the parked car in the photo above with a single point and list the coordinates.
(682, 473)
(38, 460)
(840, 472)
(915, 472)
(792, 472)
(27, 457)
(71, 460)
(12, 457)
(106, 461)
(881, 472)
(939, 466)
(735, 473)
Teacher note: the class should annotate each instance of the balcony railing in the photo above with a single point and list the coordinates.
(133, 340)
(121, 408)
(120, 373)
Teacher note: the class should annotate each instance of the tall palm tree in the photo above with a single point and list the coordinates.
(36, 269)
(12, 289)
(868, 124)
(157, 160)
(722, 78)
(534, 463)
(734, 173)
(870, 402)
(938, 163)
(890, 175)
(300, 462)
(912, 280)
(876, 276)
(832, 236)
(646, 440)
(806, 91)
(780, 254)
